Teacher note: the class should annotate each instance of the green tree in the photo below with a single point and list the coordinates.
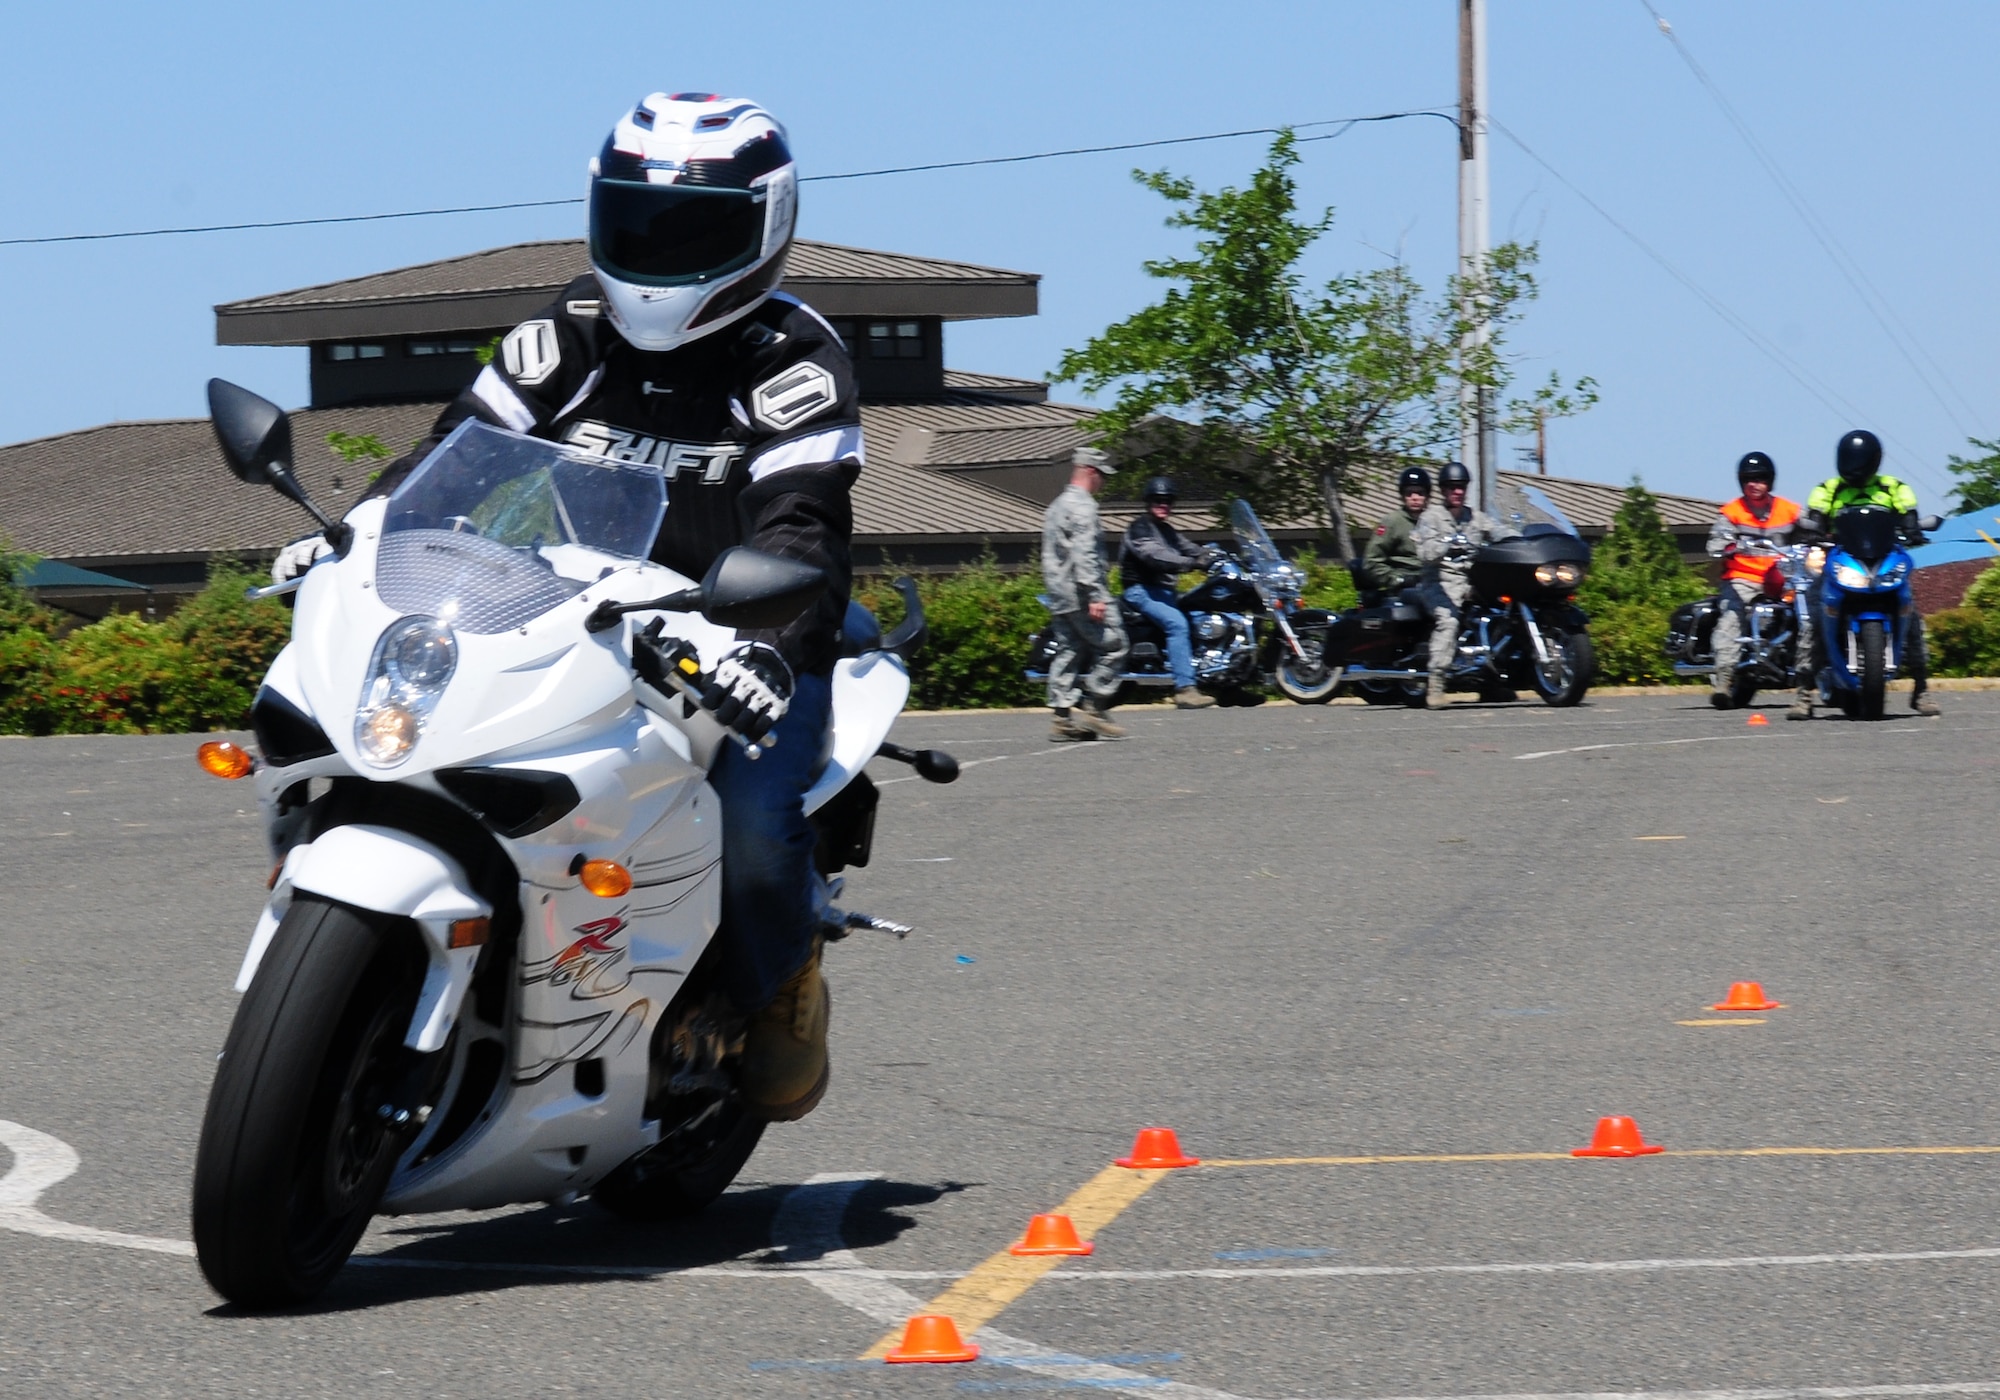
(1637, 578)
(1978, 477)
(1288, 395)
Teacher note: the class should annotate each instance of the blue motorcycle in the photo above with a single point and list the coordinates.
(1867, 616)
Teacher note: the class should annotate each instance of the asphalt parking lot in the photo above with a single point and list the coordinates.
(1379, 969)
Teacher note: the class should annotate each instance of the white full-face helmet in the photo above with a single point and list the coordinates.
(692, 203)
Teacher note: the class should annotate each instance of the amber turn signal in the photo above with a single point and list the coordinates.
(470, 933)
(606, 879)
(224, 759)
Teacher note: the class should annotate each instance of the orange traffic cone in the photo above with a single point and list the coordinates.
(932, 1337)
(1051, 1234)
(1616, 1137)
(1747, 996)
(1757, 719)
(1158, 1147)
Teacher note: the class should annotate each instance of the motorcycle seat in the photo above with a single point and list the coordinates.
(1408, 607)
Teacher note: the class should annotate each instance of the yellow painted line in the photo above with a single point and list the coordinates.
(1659, 838)
(997, 1284)
(1727, 1021)
(1447, 1158)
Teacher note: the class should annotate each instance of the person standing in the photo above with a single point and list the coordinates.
(1089, 636)
(1447, 535)
(1390, 561)
(1153, 556)
(1757, 514)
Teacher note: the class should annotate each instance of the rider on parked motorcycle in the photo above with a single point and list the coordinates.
(1760, 514)
(1389, 562)
(1153, 556)
(1448, 533)
(676, 350)
(1859, 481)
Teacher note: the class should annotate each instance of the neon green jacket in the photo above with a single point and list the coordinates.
(1833, 495)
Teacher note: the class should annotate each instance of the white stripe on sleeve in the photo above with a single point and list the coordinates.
(828, 445)
(498, 395)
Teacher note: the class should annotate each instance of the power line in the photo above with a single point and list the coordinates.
(1344, 124)
(1826, 394)
(1900, 335)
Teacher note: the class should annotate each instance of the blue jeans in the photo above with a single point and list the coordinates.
(1156, 600)
(767, 848)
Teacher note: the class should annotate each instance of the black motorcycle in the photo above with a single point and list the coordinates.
(1245, 626)
(1766, 650)
(1520, 627)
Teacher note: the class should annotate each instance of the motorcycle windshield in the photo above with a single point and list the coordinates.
(1867, 533)
(494, 529)
(1258, 551)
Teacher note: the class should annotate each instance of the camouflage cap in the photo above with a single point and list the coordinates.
(1093, 457)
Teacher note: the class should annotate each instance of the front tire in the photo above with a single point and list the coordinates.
(1310, 681)
(1564, 678)
(1874, 681)
(293, 1157)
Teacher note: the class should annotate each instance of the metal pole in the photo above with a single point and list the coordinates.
(1476, 444)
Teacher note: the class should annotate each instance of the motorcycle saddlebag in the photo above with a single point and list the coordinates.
(1689, 630)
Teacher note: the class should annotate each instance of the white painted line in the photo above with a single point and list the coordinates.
(1632, 744)
(1823, 1392)
(41, 1161)
(1567, 1266)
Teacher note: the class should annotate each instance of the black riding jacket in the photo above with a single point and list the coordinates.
(756, 428)
(1155, 553)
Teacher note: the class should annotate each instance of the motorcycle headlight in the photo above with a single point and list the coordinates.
(1850, 575)
(1558, 575)
(413, 664)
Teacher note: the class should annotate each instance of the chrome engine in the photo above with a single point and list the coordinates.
(1224, 644)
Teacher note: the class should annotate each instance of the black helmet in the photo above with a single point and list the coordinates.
(1858, 457)
(1756, 466)
(1454, 474)
(1160, 488)
(1413, 479)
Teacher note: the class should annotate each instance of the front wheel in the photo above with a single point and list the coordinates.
(1873, 672)
(294, 1154)
(1565, 676)
(1308, 680)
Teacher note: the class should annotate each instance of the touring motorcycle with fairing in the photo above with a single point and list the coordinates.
(1245, 625)
(482, 973)
(1520, 627)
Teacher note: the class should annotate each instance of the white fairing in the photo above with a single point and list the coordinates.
(592, 976)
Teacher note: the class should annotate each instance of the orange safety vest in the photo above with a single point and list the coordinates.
(1751, 568)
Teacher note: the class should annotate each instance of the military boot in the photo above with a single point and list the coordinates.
(785, 1064)
(1188, 698)
(1434, 694)
(1065, 729)
(1802, 708)
(1922, 703)
(1090, 716)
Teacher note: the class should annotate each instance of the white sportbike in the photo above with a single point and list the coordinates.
(480, 976)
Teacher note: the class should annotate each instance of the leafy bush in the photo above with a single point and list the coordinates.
(195, 670)
(980, 621)
(1984, 593)
(1964, 641)
(1636, 580)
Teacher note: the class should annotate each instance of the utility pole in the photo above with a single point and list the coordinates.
(1476, 445)
(1541, 442)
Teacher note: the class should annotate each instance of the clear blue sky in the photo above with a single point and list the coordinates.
(133, 116)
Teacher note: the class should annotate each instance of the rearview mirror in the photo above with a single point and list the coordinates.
(746, 588)
(254, 433)
(1928, 523)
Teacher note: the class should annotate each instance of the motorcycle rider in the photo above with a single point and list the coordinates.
(1089, 632)
(1152, 557)
(1390, 560)
(1446, 537)
(1859, 481)
(1756, 512)
(676, 350)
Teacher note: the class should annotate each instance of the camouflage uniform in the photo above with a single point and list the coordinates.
(1075, 575)
(1445, 542)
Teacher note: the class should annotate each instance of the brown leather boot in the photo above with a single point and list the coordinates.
(1090, 715)
(1188, 698)
(785, 1064)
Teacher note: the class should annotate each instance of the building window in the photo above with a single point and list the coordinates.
(351, 351)
(455, 346)
(895, 340)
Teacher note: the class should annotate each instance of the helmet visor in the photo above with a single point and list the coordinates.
(672, 235)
